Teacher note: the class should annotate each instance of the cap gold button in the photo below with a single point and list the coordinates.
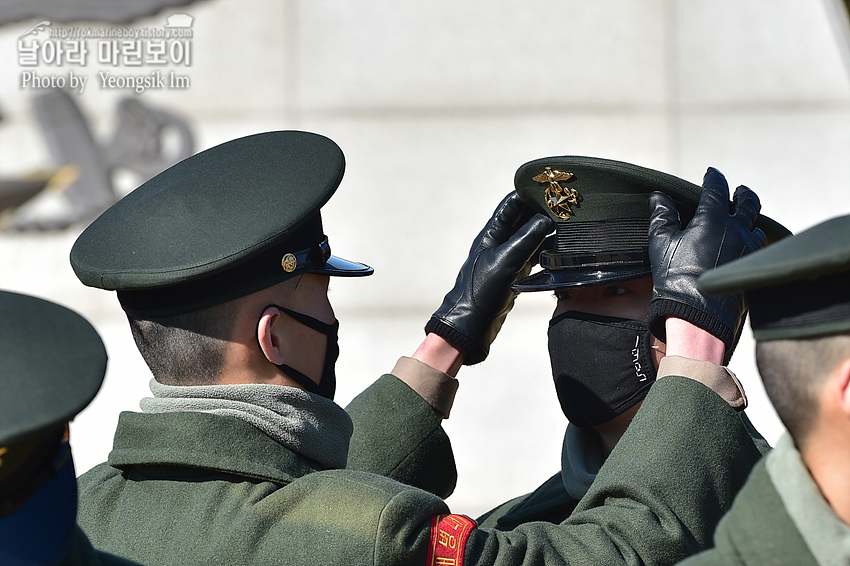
(289, 263)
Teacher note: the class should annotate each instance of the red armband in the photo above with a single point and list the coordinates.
(448, 539)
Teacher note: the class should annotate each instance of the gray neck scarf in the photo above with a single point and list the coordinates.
(826, 535)
(308, 424)
(581, 458)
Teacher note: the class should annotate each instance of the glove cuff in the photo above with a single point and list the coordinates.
(662, 309)
(473, 352)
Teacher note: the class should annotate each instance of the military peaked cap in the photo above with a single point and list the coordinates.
(223, 223)
(601, 213)
(798, 288)
(52, 363)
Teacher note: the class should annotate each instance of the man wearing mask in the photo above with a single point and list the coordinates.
(623, 277)
(241, 456)
(795, 508)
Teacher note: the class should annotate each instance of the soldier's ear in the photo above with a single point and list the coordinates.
(842, 376)
(269, 335)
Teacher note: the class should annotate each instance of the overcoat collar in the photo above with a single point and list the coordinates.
(201, 440)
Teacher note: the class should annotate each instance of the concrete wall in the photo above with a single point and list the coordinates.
(435, 105)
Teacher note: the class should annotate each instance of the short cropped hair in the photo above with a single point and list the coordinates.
(186, 349)
(793, 372)
(190, 348)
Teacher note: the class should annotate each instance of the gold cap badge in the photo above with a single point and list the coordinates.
(558, 198)
(289, 263)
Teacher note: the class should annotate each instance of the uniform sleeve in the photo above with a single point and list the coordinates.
(720, 380)
(656, 500)
(717, 378)
(398, 435)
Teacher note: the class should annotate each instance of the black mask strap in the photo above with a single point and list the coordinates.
(309, 321)
(329, 330)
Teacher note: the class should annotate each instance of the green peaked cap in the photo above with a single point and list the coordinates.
(52, 363)
(796, 288)
(601, 212)
(223, 223)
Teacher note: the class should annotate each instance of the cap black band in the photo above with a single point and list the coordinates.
(606, 235)
(617, 244)
(555, 261)
(802, 309)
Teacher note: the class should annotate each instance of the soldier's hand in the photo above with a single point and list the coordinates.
(718, 233)
(503, 252)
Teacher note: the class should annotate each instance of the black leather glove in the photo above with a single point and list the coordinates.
(717, 234)
(503, 252)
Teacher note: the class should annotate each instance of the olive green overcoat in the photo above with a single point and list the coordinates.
(194, 488)
(757, 530)
(389, 442)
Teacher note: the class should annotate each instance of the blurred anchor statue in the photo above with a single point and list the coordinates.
(145, 141)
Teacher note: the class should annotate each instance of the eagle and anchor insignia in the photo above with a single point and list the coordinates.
(558, 198)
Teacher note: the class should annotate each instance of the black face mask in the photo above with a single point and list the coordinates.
(602, 365)
(327, 386)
